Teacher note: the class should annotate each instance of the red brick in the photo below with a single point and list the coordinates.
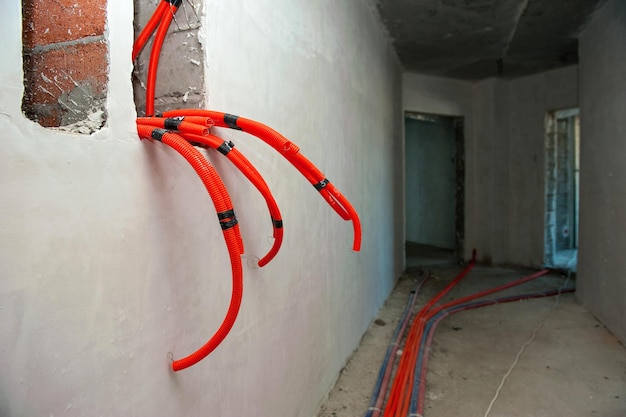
(49, 121)
(46, 22)
(52, 73)
(45, 115)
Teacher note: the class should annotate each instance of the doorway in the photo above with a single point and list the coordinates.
(562, 188)
(434, 188)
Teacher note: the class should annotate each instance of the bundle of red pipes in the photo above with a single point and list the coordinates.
(186, 129)
(406, 395)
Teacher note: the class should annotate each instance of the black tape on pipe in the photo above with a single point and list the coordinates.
(231, 121)
(320, 185)
(225, 147)
(227, 224)
(227, 219)
(278, 224)
(157, 134)
(173, 122)
(223, 215)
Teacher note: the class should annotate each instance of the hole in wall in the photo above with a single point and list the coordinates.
(180, 74)
(434, 188)
(65, 61)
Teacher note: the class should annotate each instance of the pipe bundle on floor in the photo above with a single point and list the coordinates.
(407, 392)
(184, 129)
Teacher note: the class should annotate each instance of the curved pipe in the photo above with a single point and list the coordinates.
(290, 152)
(407, 393)
(218, 185)
(320, 183)
(147, 31)
(384, 375)
(154, 129)
(159, 37)
(398, 401)
(452, 304)
(248, 170)
(211, 181)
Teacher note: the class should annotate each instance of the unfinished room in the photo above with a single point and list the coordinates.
(290, 208)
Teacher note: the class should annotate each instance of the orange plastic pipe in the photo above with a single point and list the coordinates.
(184, 125)
(211, 181)
(159, 37)
(402, 387)
(145, 34)
(291, 152)
(248, 170)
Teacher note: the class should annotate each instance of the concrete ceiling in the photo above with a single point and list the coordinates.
(476, 39)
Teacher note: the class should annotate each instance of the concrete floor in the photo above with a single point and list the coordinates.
(418, 255)
(571, 365)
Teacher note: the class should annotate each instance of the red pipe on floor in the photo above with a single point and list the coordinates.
(376, 409)
(400, 393)
(426, 348)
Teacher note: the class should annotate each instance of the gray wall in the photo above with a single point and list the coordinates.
(504, 155)
(509, 162)
(489, 167)
(530, 98)
(602, 260)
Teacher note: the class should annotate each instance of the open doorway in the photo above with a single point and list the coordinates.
(562, 188)
(434, 188)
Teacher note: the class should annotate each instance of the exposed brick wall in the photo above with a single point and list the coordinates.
(180, 75)
(65, 63)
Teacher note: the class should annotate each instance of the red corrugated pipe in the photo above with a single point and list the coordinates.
(182, 128)
(230, 229)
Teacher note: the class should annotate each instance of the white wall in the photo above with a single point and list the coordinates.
(601, 265)
(111, 255)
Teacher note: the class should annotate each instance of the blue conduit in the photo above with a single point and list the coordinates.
(396, 339)
(419, 380)
(416, 407)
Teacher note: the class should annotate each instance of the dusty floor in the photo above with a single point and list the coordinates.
(572, 367)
